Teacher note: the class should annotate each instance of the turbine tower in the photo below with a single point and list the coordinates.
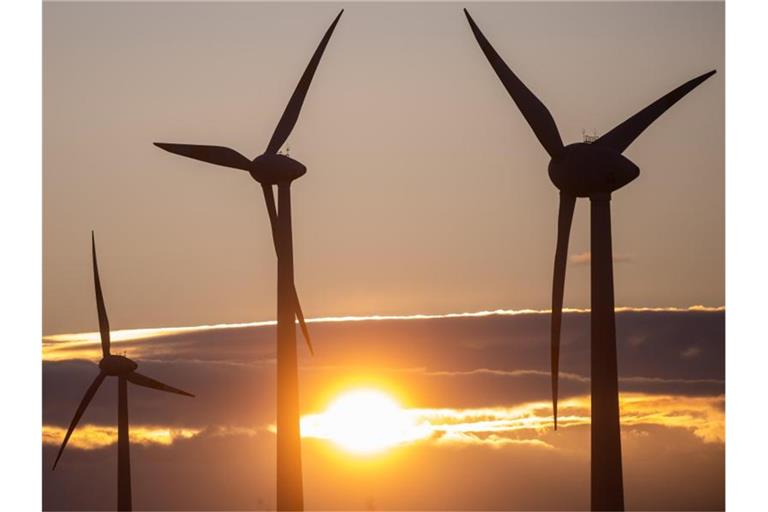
(270, 169)
(593, 170)
(125, 371)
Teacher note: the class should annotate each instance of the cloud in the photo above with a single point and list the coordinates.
(164, 342)
(703, 416)
(494, 427)
(234, 470)
(457, 362)
(492, 440)
(690, 353)
(91, 437)
(478, 382)
(502, 373)
(585, 258)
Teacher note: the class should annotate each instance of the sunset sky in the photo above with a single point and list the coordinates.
(424, 234)
(426, 190)
(475, 431)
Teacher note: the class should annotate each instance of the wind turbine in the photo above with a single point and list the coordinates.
(125, 371)
(269, 169)
(592, 170)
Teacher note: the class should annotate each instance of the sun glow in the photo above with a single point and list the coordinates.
(365, 421)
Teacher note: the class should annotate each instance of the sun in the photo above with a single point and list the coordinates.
(364, 421)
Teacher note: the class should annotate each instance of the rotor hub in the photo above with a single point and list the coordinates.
(117, 365)
(585, 170)
(275, 169)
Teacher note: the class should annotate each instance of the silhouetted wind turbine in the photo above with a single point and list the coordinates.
(272, 168)
(591, 170)
(125, 371)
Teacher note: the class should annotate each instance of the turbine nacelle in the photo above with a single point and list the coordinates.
(584, 170)
(274, 169)
(118, 366)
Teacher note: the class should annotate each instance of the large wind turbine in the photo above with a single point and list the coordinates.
(125, 371)
(269, 169)
(591, 170)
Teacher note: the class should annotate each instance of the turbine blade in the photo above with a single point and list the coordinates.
(565, 216)
(302, 323)
(80, 410)
(269, 199)
(143, 380)
(291, 113)
(217, 155)
(102, 310)
(624, 134)
(539, 118)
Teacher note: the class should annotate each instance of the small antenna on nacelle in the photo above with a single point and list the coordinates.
(589, 138)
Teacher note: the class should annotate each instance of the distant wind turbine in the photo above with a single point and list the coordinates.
(269, 169)
(592, 170)
(125, 371)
